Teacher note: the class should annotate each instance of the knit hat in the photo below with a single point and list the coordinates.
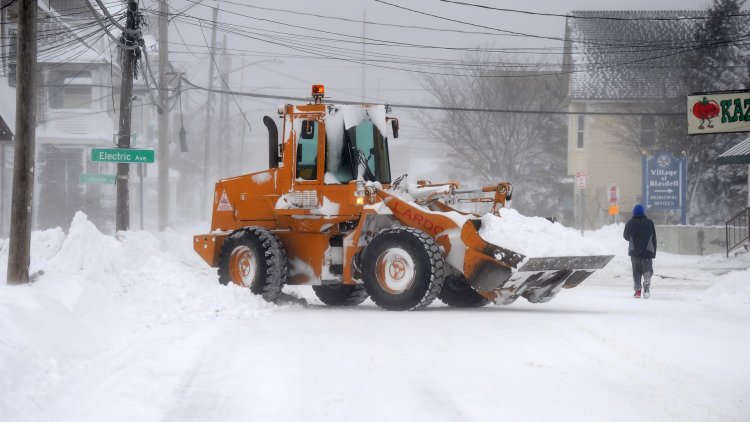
(639, 211)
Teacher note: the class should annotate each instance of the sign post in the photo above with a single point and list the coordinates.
(664, 183)
(614, 198)
(581, 185)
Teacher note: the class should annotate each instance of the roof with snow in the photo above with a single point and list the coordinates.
(7, 110)
(739, 154)
(628, 59)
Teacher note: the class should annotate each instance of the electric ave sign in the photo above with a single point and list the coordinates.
(122, 155)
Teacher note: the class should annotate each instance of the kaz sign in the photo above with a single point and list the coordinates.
(718, 113)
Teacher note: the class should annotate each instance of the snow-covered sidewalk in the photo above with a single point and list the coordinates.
(137, 328)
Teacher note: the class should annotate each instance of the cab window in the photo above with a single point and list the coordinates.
(368, 139)
(307, 150)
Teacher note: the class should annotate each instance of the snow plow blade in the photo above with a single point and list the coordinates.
(503, 275)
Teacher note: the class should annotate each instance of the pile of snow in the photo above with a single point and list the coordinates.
(536, 236)
(732, 292)
(96, 292)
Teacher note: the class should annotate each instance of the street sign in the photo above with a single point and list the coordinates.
(719, 112)
(614, 195)
(122, 155)
(665, 182)
(581, 180)
(614, 210)
(96, 179)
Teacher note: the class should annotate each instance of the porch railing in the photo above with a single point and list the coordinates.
(738, 230)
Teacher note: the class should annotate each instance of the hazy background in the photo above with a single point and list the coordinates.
(281, 70)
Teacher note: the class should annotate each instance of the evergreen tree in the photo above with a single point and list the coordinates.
(717, 63)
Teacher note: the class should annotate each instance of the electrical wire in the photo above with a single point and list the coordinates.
(607, 18)
(222, 77)
(440, 108)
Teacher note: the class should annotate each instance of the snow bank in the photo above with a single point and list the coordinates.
(536, 236)
(97, 291)
(733, 291)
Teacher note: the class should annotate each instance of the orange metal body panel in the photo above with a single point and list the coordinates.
(208, 246)
(410, 215)
(306, 253)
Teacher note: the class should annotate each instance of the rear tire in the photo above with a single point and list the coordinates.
(457, 292)
(253, 257)
(341, 294)
(403, 269)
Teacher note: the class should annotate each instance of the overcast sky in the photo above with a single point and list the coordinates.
(265, 36)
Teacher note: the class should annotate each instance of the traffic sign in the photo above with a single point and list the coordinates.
(614, 210)
(96, 179)
(614, 195)
(122, 155)
(581, 180)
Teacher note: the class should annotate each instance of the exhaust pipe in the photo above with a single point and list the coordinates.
(273, 142)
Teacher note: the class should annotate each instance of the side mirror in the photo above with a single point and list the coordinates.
(394, 126)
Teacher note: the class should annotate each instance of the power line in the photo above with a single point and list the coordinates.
(608, 18)
(222, 77)
(440, 108)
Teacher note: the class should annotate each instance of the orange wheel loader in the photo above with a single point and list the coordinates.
(328, 214)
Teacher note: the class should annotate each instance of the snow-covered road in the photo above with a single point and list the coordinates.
(103, 340)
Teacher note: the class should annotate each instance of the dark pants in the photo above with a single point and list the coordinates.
(641, 267)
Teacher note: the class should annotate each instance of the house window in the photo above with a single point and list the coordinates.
(581, 128)
(648, 130)
(70, 90)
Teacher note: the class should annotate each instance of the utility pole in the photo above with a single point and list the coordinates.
(224, 130)
(364, 54)
(2, 189)
(23, 166)
(209, 101)
(122, 219)
(241, 157)
(163, 123)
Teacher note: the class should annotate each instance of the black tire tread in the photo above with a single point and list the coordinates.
(275, 260)
(436, 264)
(341, 295)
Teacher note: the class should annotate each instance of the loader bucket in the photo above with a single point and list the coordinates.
(503, 275)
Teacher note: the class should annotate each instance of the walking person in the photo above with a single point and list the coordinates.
(641, 235)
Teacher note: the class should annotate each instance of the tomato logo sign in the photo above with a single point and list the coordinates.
(706, 110)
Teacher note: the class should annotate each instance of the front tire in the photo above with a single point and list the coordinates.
(253, 257)
(403, 269)
(457, 293)
(341, 294)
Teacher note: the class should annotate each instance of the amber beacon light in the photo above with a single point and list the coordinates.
(318, 92)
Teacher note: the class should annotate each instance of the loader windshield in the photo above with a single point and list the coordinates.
(364, 152)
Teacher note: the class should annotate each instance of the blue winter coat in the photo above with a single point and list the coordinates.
(641, 235)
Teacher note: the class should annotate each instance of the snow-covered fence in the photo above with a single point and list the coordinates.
(691, 240)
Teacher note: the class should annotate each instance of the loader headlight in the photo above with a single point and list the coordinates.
(359, 192)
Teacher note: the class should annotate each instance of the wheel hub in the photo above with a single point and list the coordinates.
(242, 266)
(395, 270)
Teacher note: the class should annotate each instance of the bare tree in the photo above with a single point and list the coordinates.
(522, 148)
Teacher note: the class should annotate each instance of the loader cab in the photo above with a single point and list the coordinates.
(346, 154)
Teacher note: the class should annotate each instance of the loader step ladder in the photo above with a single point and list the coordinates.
(738, 230)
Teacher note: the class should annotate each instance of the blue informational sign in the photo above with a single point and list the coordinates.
(665, 182)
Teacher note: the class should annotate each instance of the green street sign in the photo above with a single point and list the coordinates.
(122, 155)
(96, 179)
